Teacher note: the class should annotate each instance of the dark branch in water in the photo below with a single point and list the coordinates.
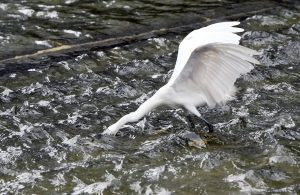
(45, 58)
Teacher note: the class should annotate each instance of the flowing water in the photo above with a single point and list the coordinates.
(51, 116)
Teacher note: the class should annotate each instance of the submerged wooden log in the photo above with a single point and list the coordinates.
(45, 58)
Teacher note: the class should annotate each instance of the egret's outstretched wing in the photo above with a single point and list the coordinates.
(212, 70)
(221, 32)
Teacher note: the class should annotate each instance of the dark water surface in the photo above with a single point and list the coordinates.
(51, 115)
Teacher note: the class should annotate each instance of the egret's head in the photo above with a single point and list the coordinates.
(111, 130)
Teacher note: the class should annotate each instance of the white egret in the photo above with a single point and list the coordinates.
(209, 61)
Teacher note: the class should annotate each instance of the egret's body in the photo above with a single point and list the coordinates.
(209, 62)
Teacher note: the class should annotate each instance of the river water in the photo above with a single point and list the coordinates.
(53, 111)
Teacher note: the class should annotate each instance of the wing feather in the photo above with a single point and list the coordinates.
(221, 77)
(213, 69)
(237, 62)
(241, 48)
(220, 32)
(243, 56)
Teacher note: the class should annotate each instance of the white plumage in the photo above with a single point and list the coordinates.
(209, 61)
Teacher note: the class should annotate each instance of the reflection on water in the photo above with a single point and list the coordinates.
(51, 116)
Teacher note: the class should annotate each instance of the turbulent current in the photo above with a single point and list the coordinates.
(51, 116)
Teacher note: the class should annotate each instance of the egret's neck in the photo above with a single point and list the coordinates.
(122, 121)
(146, 107)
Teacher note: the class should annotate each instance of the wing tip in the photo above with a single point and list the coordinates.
(227, 23)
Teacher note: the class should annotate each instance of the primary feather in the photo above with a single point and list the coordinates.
(211, 71)
(209, 62)
(221, 32)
